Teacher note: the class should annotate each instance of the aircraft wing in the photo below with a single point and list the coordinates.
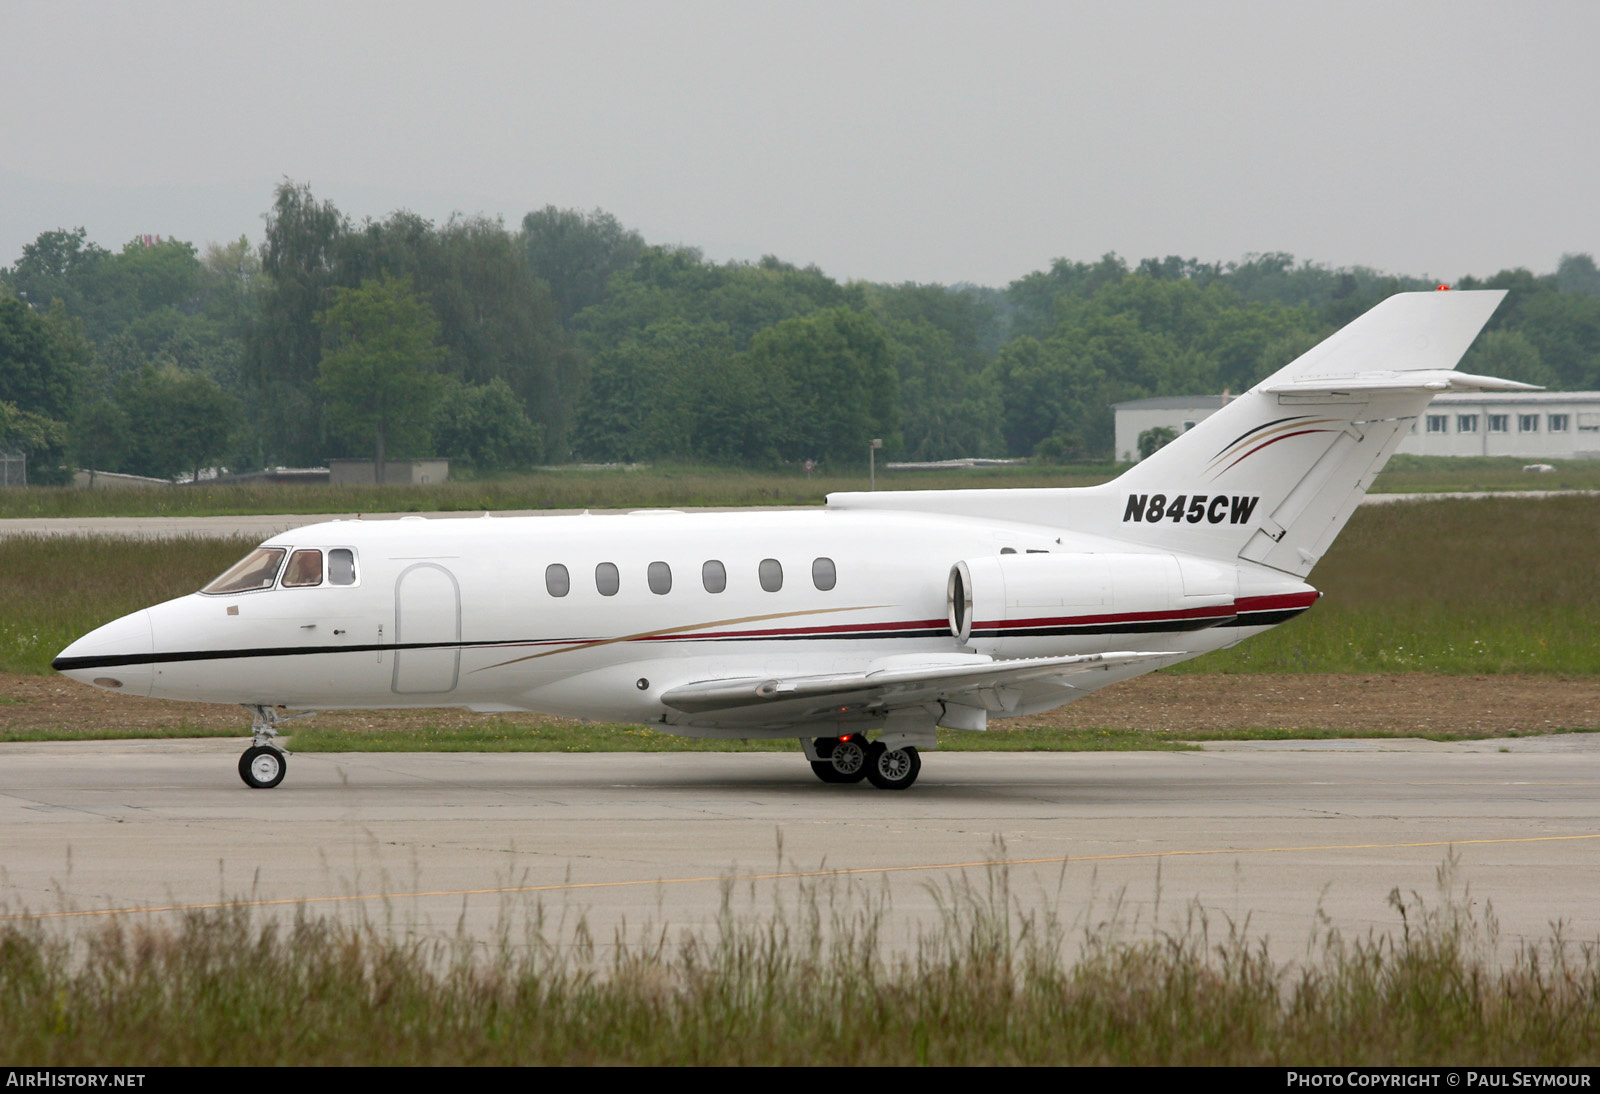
(894, 683)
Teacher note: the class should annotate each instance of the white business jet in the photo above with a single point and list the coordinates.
(857, 628)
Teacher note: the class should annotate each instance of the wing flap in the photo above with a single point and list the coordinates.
(890, 685)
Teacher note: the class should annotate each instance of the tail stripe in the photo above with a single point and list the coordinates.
(1257, 429)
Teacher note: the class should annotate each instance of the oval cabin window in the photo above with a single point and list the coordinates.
(771, 574)
(660, 577)
(557, 582)
(714, 575)
(823, 574)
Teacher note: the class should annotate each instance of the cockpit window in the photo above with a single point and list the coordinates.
(255, 571)
(304, 570)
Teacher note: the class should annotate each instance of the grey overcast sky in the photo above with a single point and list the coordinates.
(888, 140)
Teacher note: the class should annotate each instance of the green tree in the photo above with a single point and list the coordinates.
(484, 425)
(177, 420)
(43, 439)
(42, 358)
(378, 378)
(101, 436)
(576, 253)
(835, 375)
(1155, 439)
(283, 347)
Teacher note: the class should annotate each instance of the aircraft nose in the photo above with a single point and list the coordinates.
(115, 656)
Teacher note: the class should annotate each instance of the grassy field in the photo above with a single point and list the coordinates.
(1468, 587)
(817, 980)
(1453, 586)
(54, 589)
(646, 487)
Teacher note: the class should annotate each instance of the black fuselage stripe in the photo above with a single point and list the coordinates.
(1263, 619)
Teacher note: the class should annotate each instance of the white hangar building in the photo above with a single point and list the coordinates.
(1556, 425)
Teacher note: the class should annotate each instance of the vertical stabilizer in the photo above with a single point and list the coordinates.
(1273, 476)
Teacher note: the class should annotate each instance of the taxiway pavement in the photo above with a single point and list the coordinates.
(1286, 838)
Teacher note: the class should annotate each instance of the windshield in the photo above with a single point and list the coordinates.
(255, 571)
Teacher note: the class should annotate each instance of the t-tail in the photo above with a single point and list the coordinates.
(1274, 475)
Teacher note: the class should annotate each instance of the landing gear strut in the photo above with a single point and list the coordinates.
(264, 764)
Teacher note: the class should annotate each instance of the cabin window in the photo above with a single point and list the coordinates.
(714, 576)
(341, 566)
(660, 578)
(823, 574)
(304, 570)
(255, 571)
(557, 582)
(606, 579)
(771, 574)
(1008, 550)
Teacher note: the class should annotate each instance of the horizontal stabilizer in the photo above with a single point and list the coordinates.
(1433, 380)
(899, 684)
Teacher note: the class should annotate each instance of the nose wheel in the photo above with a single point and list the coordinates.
(262, 767)
(263, 764)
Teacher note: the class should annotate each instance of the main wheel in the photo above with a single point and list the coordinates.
(844, 759)
(892, 768)
(262, 768)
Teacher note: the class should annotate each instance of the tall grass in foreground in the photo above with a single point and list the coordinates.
(814, 981)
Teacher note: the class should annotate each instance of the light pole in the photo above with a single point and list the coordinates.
(872, 462)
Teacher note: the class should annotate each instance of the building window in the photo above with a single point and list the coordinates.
(1527, 423)
(557, 582)
(606, 579)
(714, 576)
(771, 574)
(660, 578)
(1437, 422)
(823, 574)
(1589, 423)
(1499, 423)
(1466, 423)
(1558, 423)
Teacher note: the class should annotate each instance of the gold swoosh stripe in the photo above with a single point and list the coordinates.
(1254, 437)
(644, 635)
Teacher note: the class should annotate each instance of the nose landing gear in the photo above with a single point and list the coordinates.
(264, 763)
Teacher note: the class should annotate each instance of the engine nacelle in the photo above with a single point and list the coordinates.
(1036, 605)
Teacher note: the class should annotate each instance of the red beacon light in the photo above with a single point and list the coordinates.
(1442, 288)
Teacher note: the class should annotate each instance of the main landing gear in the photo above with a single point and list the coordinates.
(850, 759)
(264, 763)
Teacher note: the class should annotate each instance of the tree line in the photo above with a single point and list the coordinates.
(571, 337)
